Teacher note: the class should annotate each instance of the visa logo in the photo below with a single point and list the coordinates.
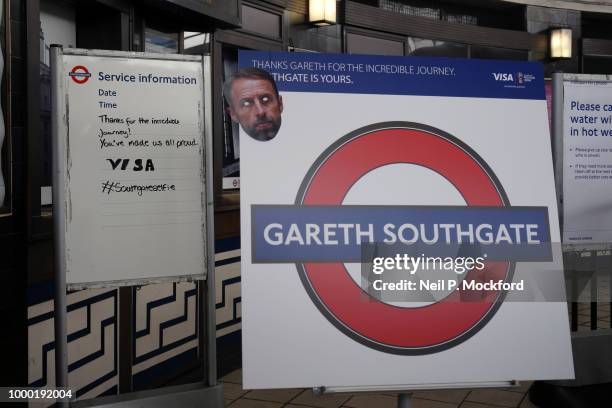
(499, 76)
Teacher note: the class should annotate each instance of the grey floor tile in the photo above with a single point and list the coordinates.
(326, 401)
(453, 396)
(372, 400)
(277, 395)
(233, 377)
(495, 397)
(468, 404)
(527, 403)
(232, 391)
(297, 406)
(247, 403)
(423, 403)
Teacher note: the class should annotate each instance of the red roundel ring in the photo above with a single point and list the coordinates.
(79, 74)
(384, 327)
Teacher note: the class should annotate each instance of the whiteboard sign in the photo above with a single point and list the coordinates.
(134, 184)
(587, 159)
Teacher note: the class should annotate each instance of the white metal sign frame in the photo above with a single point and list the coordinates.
(130, 238)
(209, 390)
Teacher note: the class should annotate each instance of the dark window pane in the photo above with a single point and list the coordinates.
(433, 48)
(261, 22)
(362, 44)
(597, 65)
(99, 26)
(227, 8)
(231, 141)
(4, 148)
(193, 40)
(161, 42)
(58, 25)
(595, 25)
(480, 52)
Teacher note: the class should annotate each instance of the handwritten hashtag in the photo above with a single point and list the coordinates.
(107, 187)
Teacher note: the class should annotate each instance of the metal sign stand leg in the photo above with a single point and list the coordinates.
(404, 400)
(210, 299)
(60, 318)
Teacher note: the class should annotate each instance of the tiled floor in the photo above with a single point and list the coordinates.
(584, 316)
(237, 397)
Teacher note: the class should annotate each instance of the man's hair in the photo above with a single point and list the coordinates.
(246, 73)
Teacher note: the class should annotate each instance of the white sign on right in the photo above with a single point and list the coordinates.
(587, 162)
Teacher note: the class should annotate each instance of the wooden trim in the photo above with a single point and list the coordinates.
(269, 6)
(359, 15)
(217, 104)
(7, 145)
(373, 34)
(596, 47)
(205, 9)
(266, 8)
(279, 3)
(119, 5)
(298, 6)
(248, 41)
(32, 129)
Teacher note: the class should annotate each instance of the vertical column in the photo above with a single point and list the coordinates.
(58, 133)
(2, 132)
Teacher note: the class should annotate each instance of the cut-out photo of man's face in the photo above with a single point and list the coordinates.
(254, 102)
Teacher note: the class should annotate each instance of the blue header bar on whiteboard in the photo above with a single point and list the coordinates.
(367, 74)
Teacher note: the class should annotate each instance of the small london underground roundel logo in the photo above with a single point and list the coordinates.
(385, 327)
(79, 74)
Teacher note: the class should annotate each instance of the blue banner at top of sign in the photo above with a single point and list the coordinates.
(391, 75)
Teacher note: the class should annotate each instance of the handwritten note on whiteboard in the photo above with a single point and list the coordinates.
(135, 181)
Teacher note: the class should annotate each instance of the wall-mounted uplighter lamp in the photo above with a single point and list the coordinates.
(322, 12)
(561, 43)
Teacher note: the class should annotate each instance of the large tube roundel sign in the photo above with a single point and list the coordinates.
(373, 323)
